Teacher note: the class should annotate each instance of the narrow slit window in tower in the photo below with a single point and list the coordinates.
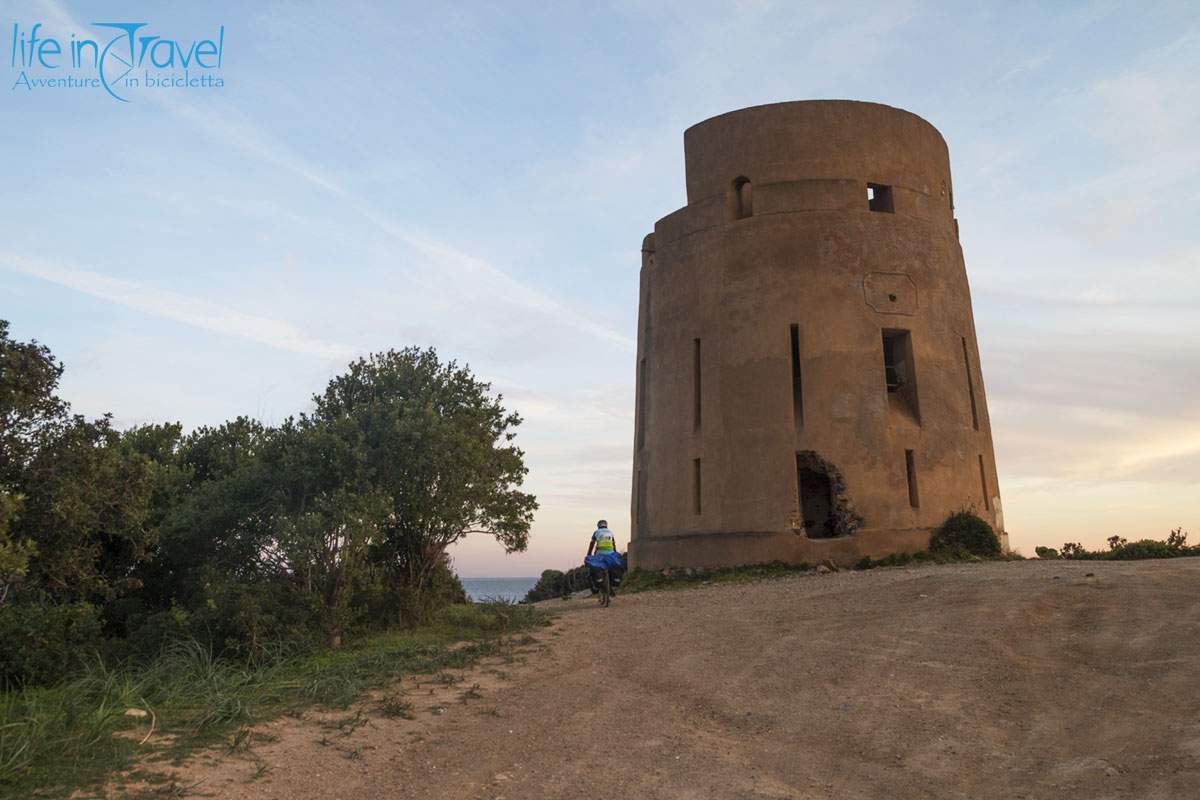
(641, 498)
(816, 501)
(987, 503)
(696, 484)
(696, 382)
(910, 467)
(741, 198)
(879, 198)
(641, 412)
(797, 384)
(970, 385)
(899, 373)
(637, 498)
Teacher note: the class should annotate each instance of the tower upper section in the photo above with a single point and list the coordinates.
(814, 155)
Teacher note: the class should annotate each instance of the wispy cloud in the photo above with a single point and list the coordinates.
(170, 305)
(1027, 67)
(478, 276)
(474, 276)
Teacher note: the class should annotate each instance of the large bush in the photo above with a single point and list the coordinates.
(963, 530)
(43, 642)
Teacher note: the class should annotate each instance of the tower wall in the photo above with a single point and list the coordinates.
(808, 378)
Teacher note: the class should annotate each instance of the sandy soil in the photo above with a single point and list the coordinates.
(1016, 680)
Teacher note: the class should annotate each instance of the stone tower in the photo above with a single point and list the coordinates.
(808, 382)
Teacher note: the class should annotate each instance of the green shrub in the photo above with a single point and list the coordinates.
(963, 530)
(1146, 548)
(1075, 550)
(42, 643)
(445, 587)
(1047, 553)
(555, 583)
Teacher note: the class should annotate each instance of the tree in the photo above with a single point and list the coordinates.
(429, 439)
(86, 508)
(29, 409)
(74, 498)
(219, 502)
(74, 506)
(14, 554)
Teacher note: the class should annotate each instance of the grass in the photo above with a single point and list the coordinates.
(643, 580)
(959, 556)
(53, 741)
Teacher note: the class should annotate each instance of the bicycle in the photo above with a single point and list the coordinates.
(601, 577)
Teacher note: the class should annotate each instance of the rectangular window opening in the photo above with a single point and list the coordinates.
(893, 360)
(879, 198)
(970, 385)
(987, 503)
(900, 376)
(910, 467)
(797, 383)
(696, 382)
(696, 484)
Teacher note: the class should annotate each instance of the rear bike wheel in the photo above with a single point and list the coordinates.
(605, 590)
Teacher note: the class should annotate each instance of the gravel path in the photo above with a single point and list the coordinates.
(1007, 680)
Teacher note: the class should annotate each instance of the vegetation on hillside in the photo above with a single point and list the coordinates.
(556, 583)
(1120, 549)
(117, 544)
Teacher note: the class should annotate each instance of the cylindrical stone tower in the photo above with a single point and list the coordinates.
(808, 383)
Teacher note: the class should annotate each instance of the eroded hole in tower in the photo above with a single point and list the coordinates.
(816, 504)
(823, 506)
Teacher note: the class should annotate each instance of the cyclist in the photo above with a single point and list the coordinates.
(602, 554)
(602, 542)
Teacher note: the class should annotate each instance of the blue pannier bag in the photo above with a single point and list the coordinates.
(613, 562)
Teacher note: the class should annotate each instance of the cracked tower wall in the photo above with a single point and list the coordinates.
(808, 381)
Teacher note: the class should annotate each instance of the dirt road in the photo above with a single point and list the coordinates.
(1014, 680)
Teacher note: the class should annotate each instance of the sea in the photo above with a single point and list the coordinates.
(512, 590)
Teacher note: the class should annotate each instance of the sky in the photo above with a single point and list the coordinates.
(478, 177)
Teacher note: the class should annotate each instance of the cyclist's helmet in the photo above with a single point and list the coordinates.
(602, 523)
